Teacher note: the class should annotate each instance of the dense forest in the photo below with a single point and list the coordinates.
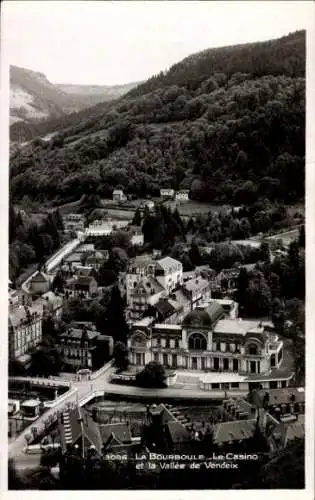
(29, 242)
(228, 124)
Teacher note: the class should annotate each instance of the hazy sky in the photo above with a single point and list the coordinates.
(118, 42)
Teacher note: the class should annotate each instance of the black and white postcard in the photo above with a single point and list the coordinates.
(157, 176)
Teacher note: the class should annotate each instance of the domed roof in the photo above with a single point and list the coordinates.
(197, 318)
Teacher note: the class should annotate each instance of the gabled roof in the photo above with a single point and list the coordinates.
(40, 277)
(215, 311)
(235, 430)
(286, 432)
(177, 432)
(120, 432)
(77, 423)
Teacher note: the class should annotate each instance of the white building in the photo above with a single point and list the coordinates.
(118, 195)
(25, 330)
(236, 354)
(137, 239)
(100, 228)
(182, 195)
(167, 193)
(147, 280)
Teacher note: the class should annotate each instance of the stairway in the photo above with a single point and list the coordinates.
(67, 427)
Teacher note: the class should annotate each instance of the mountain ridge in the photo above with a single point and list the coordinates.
(34, 98)
(228, 137)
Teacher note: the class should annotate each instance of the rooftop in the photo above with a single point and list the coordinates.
(178, 432)
(31, 403)
(40, 276)
(204, 317)
(168, 264)
(22, 314)
(163, 326)
(74, 257)
(147, 321)
(120, 431)
(234, 431)
(76, 334)
(164, 307)
(196, 284)
(238, 326)
(286, 395)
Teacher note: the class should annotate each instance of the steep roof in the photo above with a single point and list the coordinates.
(177, 432)
(215, 311)
(77, 423)
(164, 307)
(286, 432)
(120, 432)
(40, 277)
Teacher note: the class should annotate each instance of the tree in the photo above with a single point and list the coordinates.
(115, 316)
(242, 285)
(48, 327)
(137, 219)
(121, 356)
(265, 252)
(278, 315)
(118, 259)
(258, 297)
(194, 254)
(58, 282)
(45, 361)
(152, 375)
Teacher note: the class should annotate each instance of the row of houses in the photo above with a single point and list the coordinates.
(170, 431)
(165, 193)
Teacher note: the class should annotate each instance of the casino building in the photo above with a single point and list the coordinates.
(229, 353)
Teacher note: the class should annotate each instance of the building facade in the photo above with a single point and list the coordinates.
(118, 195)
(167, 193)
(83, 347)
(39, 283)
(182, 195)
(25, 330)
(147, 280)
(232, 353)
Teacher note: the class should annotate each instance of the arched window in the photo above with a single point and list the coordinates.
(197, 342)
(138, 340)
